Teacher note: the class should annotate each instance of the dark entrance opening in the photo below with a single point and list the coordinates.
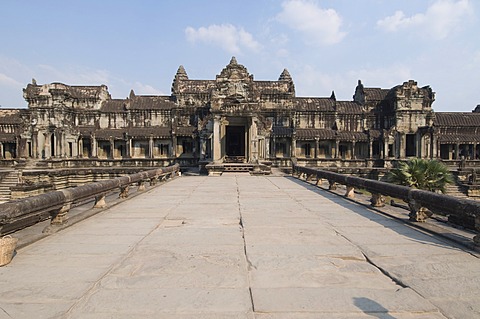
(411, 146)
(235, 142)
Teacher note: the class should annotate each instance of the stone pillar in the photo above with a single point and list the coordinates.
(1, 151)
(35, 144)
(337, 148)
(203, 148)
(293, 151)
(174, 145)
(80, 147)
(354, 156)
(128, 147)
(474, 151)
(150, 147)
(253, 140)
(217, 147)
(94, 146)
(385, 149)
(112, 147)
(274, 147)
(401, 141)
(370, 149)
(457, 151)
(316, 147)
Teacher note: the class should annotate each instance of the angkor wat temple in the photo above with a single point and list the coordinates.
(233, 119)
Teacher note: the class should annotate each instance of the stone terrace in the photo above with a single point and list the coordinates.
(240, 246)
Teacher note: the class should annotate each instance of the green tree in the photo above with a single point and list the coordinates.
(430, 175)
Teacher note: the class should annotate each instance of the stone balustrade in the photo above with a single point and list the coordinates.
(24, 212)
(421, 203)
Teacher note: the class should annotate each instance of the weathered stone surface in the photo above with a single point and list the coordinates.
(263, 247)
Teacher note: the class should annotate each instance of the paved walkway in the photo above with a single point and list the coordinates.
(240, 247)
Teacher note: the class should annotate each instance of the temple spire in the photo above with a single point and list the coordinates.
(181, 73)
(285, 76)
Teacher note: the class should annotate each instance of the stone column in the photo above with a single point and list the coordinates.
(293, 151)
(112, 148)
(354, 156)
(316, 147)
(35, 144)
(217, 147)
(80, 147)
(128, 147)
(274, 147)
(370, 149)
(1, 151)
(457, 151)
(474, 156)
(94, 146)
(150, 147)
(253, 140)
(337, 148)
(401, 141)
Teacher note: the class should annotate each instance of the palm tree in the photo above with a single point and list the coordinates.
(423, 174)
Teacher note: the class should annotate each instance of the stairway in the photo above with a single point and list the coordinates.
(457, 190)
(10, 179)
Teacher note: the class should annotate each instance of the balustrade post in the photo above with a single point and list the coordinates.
(332, 185)
(476, 239)
(153, 181)
(141, 186)
(124, 191)
(319, 181)
(350, 192)
(100, 201)
(418, 213)
(59, 216)
(377, 200)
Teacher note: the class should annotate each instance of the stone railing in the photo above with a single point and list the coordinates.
(24, 212)
(420, 202)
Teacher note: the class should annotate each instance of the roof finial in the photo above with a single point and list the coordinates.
(333, 97)
(233, 60)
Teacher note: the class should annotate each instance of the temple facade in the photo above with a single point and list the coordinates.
(234, 119)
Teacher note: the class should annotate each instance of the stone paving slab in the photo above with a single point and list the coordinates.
(239, 246)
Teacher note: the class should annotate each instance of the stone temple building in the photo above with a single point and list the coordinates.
(232, 122)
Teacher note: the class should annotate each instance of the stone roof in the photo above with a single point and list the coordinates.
(459, 138)
(10, 116)
(155, 131)
(282, 131)
(146, 102)
(347, 107)
(114, 106)
(314, 104)
(451, 119)
(376, 94)
(324, 134)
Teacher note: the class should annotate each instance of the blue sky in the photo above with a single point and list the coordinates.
(325, 45)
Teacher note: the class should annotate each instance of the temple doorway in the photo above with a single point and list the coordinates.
(235, 143)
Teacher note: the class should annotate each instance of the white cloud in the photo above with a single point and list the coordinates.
(309, 81)
(145, 89)
(5, 80)
(226, 36)
(440, 19)
(319, 26)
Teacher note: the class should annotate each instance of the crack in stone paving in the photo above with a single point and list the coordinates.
(249, 263)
